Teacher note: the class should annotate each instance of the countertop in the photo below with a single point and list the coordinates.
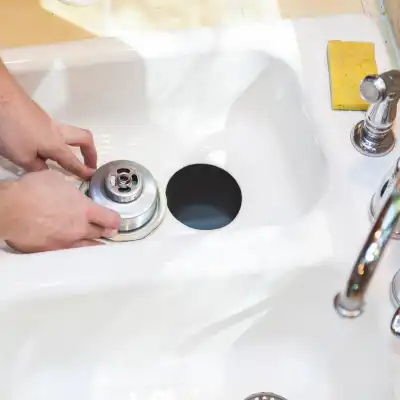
(30, 22)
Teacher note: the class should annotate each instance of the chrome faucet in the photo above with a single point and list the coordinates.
(350, 302)
(374, 135)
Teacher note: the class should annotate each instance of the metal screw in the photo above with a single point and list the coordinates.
(124, 180)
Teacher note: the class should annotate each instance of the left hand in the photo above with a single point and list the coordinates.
(29, 137)
(42, 212)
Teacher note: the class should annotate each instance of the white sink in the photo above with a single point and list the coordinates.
(214, 338)
(216, 106)
(188, 314)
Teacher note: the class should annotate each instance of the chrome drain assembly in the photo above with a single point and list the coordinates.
(264, 396)
(129, 189)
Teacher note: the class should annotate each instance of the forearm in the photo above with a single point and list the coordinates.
(9, 88)
(7, 208)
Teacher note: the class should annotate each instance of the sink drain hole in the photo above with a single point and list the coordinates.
(204, 197)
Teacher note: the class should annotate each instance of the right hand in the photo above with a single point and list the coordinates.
(48, 213)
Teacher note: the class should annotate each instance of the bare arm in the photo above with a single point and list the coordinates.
(9, 88)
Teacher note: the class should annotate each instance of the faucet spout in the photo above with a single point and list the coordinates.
(350, 302)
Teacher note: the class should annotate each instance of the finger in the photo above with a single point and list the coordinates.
(31, 248)
(82, 138)
(67, 159)
(86, 243)
(96, 232)
(36, 165)
(102, 216)
(18, 248)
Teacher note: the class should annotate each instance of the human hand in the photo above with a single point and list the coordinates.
(29, 136)
(45, 212)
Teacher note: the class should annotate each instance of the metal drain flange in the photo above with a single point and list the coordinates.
(129, 189)
(264, 396)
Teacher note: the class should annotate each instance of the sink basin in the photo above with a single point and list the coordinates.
(207, 338)
(188, 314)
(215, 107)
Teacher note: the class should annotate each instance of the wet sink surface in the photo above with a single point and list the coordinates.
(221, 314)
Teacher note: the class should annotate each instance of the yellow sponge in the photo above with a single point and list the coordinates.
(349, 63)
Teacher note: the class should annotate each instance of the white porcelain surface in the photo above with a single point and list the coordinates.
(186, 314)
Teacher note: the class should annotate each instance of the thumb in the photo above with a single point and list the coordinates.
(36, 165)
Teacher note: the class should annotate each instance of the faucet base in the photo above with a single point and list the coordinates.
(347, 308)
(368, 146)
(395, 325)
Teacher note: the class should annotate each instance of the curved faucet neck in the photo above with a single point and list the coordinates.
(350, 302)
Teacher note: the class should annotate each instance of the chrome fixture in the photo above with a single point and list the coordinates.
(264, 396)
(395, 290)
(374, 135)
(395, 296)
(395, 325)
(384, 191)
(350, 302)
(129, 189)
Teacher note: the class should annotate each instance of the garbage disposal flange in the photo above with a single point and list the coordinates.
(129, 189)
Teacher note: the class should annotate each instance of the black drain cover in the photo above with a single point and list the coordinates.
(204, 196)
